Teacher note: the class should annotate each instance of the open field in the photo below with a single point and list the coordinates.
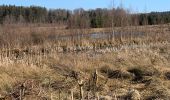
(46, 63)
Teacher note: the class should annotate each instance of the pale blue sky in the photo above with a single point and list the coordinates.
(135, 5)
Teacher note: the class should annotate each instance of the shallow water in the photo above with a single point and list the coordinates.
(97, 35)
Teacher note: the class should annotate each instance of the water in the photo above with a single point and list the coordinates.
(96, 35)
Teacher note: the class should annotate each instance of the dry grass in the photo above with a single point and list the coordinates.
(138, 68)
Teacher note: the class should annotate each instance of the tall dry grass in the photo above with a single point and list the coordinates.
(52, 68)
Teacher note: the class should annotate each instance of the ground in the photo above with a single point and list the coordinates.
(124, 69)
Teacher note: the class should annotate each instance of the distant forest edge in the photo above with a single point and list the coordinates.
(80, 18)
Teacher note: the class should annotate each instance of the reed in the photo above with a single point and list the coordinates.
(105, 64)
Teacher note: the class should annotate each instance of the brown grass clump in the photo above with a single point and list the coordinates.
(158, 90)
(141, 73)
(122, 74)
(33, 77)
(134, 95)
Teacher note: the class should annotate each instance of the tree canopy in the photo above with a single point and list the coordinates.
(80, 18)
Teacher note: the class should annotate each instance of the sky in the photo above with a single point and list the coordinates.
(133, 5)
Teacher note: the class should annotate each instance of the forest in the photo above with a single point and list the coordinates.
(80, 18)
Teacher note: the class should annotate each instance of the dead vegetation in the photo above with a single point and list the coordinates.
(37, 67)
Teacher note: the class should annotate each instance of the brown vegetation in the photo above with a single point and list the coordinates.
(43, 63)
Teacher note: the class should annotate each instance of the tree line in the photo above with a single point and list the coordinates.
(80, 18)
